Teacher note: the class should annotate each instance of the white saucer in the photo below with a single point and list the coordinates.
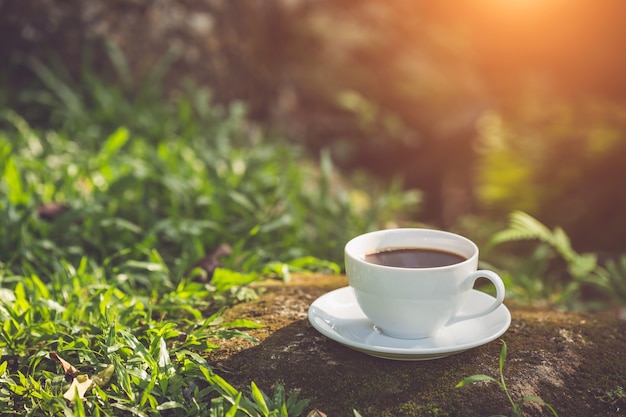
(338, 316)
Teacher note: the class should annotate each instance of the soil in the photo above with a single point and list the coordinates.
(572, 361)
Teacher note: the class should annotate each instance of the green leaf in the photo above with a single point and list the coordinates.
(12, 176)
(217, 381)
(133, 410)
(538, 401)
(233, 410)
(243, 324)
(170, 405)
(522, 226)
(582, 266)
(475, 378)
(104, 376)
(259, 398)
(164, 361)
(224, 279)
(503, 353)
(562, 244)
(525, 222)
(279, 394)
(64, 93)
(295, 406)
(114, 143)
(121, 224)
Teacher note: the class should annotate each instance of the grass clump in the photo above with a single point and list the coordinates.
(109, 202)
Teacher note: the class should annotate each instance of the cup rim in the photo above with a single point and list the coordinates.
(360, 259)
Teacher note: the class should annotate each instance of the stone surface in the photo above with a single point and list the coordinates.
(575, 362)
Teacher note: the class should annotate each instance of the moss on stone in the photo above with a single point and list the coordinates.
(570, 360)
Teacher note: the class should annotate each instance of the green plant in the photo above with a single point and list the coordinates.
(233, 403)
(553, 160)
(582, 268)
(614, 397)
(132, 164)
(110, 194)
(155, 350)
(516, 410)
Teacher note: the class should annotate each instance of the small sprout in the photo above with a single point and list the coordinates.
(614, 396)
(516, 410)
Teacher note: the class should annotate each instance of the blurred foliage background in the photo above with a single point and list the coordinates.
(485, 107)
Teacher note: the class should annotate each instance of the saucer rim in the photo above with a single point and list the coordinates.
(417, 353)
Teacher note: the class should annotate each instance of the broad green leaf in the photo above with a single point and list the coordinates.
(283, 410)
(170, 405)
(220, 383)
(114, 143)
(164, 361)
(147, 392)
(562, 244)
(235, 407)
(104, 376)
(279, 394)
(79, 407)
(224, 279)
(259, 399)
(39, 286)
(244, 324)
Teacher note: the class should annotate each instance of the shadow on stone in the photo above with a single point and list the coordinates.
(569, 360)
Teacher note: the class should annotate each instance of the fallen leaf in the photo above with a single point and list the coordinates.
(79, 387)
(316, 413)
(68, 368)
(104, 376)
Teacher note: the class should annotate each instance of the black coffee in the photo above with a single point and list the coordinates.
(414, 258)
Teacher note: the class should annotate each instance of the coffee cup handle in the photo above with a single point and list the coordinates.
(469, 283)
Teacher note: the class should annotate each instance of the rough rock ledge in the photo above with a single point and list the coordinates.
(575, 362)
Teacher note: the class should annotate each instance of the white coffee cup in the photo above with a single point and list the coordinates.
(414, 303)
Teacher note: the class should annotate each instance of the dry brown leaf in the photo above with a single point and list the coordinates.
(68, 368)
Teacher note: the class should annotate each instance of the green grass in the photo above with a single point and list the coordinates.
(149, 185)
